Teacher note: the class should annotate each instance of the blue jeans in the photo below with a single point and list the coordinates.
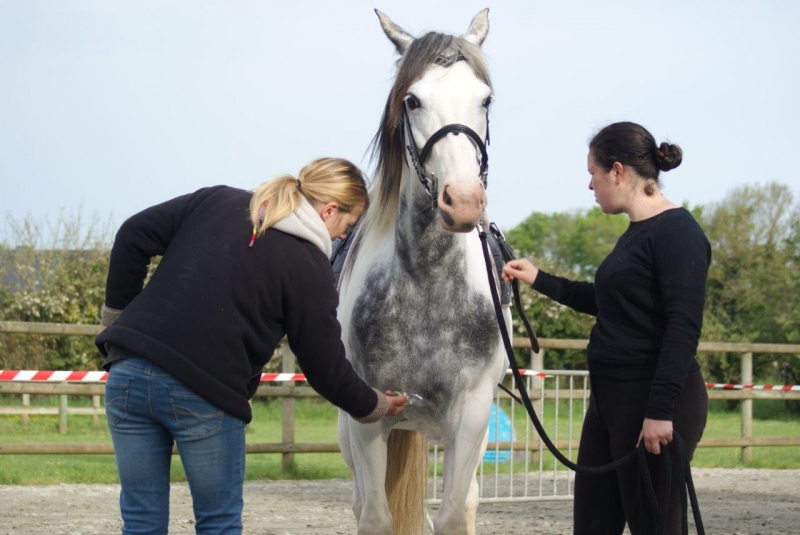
(148, 409)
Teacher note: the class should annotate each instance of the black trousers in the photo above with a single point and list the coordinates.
(605, 502)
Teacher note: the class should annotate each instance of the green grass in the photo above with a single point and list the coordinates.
(316, 422)
(770, 419)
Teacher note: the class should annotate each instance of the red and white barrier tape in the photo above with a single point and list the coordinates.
(100, 376)
(95, 377)
(50, 376)
(783, 388)
(268, 377)
(529, 373)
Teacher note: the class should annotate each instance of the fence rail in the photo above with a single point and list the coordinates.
(288, 447)
(24, 327)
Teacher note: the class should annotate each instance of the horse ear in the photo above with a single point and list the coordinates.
(478, 28)
(397, 35)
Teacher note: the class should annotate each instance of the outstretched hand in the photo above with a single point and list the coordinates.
(655, 433)
(520, 269)
(396, 403)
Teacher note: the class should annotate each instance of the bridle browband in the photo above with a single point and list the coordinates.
(429, 181)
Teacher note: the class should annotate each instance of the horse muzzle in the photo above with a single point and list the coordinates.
(460, 208)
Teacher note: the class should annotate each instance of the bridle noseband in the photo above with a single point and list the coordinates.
(429, 181)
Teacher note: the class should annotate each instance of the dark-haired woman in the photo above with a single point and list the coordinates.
(648, 297)
(184, 355)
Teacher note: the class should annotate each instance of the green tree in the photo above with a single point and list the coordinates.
(576, 241)
(55, 272)
(754, 280)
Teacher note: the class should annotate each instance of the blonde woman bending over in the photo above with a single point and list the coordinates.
(240, 270)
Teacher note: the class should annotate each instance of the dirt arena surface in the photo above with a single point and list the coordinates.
(733, 502)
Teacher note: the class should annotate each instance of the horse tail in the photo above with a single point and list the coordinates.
(406, 481)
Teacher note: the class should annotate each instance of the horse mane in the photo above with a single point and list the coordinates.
(388, 145)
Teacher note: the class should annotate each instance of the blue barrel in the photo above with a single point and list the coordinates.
(500, 430)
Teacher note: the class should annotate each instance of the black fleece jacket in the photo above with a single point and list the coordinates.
(648, 296)
(215, 309)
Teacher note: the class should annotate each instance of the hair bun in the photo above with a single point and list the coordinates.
(668, 156)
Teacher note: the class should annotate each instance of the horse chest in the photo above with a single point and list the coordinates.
(410, 332)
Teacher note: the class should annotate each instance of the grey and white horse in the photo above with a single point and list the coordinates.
(415, 302)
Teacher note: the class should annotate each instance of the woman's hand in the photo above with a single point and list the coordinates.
(520, 269)
(396, 403)
(655, 433)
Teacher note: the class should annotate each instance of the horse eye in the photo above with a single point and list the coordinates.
(413, 103)
(487, 102)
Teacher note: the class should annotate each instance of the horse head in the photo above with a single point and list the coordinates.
(440, 102)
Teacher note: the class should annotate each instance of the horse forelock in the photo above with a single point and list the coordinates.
(388, 145)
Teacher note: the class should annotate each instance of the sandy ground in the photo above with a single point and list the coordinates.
(761, 502)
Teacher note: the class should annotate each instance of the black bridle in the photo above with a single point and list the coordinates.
(429, 181)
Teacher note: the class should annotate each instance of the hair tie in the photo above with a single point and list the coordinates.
(261, 212)
(298, 184)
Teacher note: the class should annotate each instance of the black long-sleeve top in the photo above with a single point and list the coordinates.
(648, 297)
(215, 309)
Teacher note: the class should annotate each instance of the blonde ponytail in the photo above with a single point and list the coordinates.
(322, 181)
(277, 198)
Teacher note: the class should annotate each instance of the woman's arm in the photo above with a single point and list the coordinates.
(681, 260)
(139, 239)
(577, 295)
(314, 335)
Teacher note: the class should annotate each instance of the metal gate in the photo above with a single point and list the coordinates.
(519, 468)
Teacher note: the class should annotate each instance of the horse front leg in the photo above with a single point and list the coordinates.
(462, 454)
(368, 450)
(473, 495)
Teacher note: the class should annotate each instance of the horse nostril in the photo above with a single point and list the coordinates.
(446, 197)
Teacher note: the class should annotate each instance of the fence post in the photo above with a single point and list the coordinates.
(537, 393)
(287, 410)
(537, 359)
(537, 363)
(747, 407)
(96, 405)
(62, 413)
(26, 402)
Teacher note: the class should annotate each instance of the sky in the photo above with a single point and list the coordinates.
(108, 107)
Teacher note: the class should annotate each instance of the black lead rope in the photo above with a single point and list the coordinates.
(645, 483)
